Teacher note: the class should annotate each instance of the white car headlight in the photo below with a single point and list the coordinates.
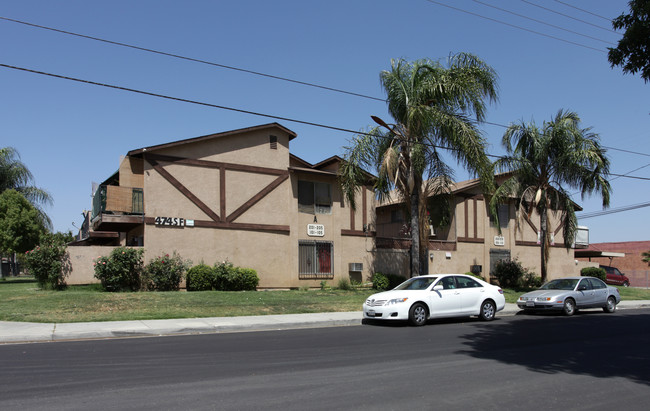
(396, 301)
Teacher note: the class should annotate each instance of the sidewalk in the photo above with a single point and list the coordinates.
(16, 332)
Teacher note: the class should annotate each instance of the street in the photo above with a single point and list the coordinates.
(592, 360)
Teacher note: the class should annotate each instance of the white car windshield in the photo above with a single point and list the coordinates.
(560, 284)
(416, 283)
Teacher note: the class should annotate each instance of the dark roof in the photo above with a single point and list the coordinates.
(139, 151)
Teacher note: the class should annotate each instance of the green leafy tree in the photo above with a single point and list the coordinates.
(545, 162)
(14, 175)
(646, 257)
(633, 49)
(20, 226)
(432, 108)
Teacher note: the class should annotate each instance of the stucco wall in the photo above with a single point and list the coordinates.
(81, 260)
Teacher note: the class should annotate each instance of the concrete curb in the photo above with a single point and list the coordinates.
(22, 332)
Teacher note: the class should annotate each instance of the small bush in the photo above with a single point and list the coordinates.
(530, 280)
(344, 284)
(121, 270)
(230, 278)
(394, 280)
(380, 282)
(324, 286)
(200, 278)
(164, 273)
(49, 263)
(509, 273)
(594, 272)
(471, 274)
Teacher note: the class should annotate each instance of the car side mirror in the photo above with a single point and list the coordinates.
(438, 287)
(582, 288)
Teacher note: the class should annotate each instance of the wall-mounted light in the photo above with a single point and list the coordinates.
(431, 256)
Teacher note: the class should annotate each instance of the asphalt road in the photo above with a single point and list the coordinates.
(530, 362)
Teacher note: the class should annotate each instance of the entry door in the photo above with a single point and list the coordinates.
(496, 255)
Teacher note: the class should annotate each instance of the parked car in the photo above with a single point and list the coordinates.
(571, 294)
(436, 296)
(615, 277)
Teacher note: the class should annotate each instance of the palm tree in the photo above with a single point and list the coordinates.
(15, 175)
(432, 108)
(545, 162)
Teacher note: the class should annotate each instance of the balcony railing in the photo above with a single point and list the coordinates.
(118, 200)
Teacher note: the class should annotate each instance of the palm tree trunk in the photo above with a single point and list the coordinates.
(415, 233)
(543, 228)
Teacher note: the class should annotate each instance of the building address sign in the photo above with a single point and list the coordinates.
(171, 221)
(315, 230)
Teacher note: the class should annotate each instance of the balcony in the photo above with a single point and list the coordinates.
(117, 208)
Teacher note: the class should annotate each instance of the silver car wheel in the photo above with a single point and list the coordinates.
(487, 311)
(569, 307)
(611, 305)
(418, 314)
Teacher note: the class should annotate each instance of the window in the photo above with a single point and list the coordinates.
(464, 282)
(396, 216)
(504, 215)
(273, 141)
(315, 259)
(314, 198)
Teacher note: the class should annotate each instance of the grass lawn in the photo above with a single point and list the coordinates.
(22, 300)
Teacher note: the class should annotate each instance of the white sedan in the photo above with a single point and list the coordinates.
(436, 296)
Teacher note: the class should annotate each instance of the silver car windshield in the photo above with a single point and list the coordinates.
(416, 283)
(560, 284)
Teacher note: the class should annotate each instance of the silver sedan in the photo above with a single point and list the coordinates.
(571, 294)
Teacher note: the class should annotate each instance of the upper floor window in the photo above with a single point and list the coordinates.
(314, 198)
(504, 216)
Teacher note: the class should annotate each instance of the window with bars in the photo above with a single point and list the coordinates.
(315, 259)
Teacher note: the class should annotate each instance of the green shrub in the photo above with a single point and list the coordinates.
(380, 282)
(530, 280)
(594, 272)
(230, 278)
(471, 274)
(394, 280)
(509, 273)
(200, 278)
(121, 270)
(344, 284)
(49, 263)
(164, 273)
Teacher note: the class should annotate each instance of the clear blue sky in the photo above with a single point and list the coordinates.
(71, 134)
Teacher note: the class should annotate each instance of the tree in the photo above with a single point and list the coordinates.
(431, 106)
(633, 49)
(20, 226)
(15, 175)
(544, 163)
(646, 257)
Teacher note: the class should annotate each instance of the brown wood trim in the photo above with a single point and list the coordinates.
(230, 226)
(184, 190)
(119, 218)
(103, 234)
(352, 218)
(222, 193)
(534, 244)
(470, 240)
(442, 245)
(356, 233)
(364, 207)
(257, 197)
(530, 223)
(466, 203)
(475, 213)
(559, 226)
(214, 164)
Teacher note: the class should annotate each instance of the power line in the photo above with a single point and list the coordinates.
(515, 26)
(583, 216)
(309, 123)
(570, 17)
(585, 11)
(542, 22)
(163, 53)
